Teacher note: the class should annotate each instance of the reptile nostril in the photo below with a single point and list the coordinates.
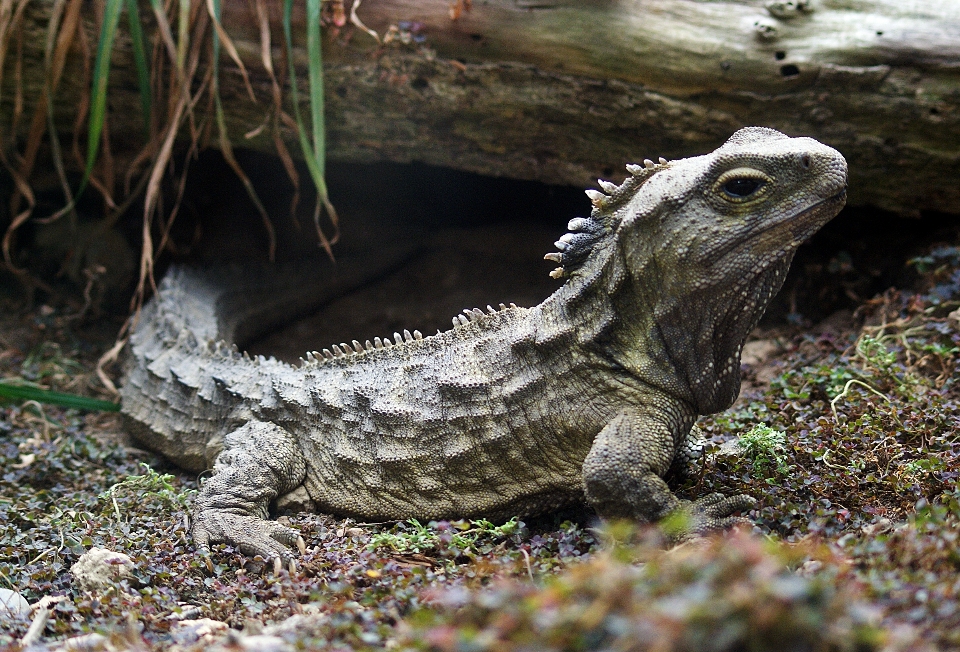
(805, 161)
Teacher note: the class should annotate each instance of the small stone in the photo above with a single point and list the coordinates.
(296, 501)
(810, 568)
(12, 604)
(191, 631)
(730, 448)
(757, 352)
(265, 643)
(99, 568)
(787, 9)
(766, 30)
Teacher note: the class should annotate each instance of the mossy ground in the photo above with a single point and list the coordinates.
(851, 450)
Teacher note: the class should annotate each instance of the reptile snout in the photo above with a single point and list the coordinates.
(829, 169)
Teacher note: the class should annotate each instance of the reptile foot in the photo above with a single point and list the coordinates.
(712, 513)
(252, 535)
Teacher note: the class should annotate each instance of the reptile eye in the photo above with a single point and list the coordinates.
(741, 187)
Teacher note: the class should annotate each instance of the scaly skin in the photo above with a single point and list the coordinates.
(592, 394)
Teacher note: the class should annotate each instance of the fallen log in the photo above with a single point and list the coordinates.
(568, 91)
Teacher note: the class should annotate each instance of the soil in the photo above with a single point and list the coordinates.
(481, 241)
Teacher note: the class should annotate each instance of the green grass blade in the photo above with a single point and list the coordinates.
(140, 61)
(101, 72)
(27, 393)
(294, 92)
(315, 75)
(216, 41)
(313, 155)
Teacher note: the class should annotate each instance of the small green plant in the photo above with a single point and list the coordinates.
(765, 446)
(930, 464)
(796, 385)
(411, 536)
(449, 538)
(876, 355)
(150, 485)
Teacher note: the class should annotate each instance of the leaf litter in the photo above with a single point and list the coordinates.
(851, 451)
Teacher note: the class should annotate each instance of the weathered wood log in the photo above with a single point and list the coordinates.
(564, 91)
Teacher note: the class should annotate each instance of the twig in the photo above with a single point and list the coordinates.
(846, 388)
(359, 23)
(526, 559)
(32, 637)
(826, 463)
(43, 418)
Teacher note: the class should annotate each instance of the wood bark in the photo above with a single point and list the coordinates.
(565, 91)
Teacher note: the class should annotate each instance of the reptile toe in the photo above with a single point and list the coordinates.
(251, 535)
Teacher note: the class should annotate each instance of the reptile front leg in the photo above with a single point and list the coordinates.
(623, 476)
(259, 462)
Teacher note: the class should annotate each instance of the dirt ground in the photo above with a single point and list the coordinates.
(858, 489)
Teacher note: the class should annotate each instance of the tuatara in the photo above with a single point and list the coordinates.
(592, 394)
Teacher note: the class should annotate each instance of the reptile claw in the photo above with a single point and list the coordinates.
(301, 546)
(277, 565)
(292, 566)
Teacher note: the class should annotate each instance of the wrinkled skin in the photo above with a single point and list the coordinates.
(592, 394)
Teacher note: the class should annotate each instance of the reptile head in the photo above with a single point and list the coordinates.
(747, 204)
(725, 216)
(713, 237)
(696, 249)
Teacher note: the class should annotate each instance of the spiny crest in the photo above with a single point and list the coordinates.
(613, 196)
(575, 246)
(473, 314)
(217, 349)
(344, 349)
(222, 350)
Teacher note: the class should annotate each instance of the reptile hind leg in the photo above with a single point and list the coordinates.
(259, 462)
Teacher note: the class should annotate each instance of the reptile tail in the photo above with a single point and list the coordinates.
(185, 344)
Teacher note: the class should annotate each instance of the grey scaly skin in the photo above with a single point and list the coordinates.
(591, 394)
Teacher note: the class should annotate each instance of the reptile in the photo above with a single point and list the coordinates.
(591, 395)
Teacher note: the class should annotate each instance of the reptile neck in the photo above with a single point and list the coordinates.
(684, 343)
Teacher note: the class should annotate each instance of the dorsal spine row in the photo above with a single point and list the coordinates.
(344, 349)
(575, 246)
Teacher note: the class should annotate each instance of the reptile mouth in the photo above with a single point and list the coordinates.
(815, 210)
(797, 219)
